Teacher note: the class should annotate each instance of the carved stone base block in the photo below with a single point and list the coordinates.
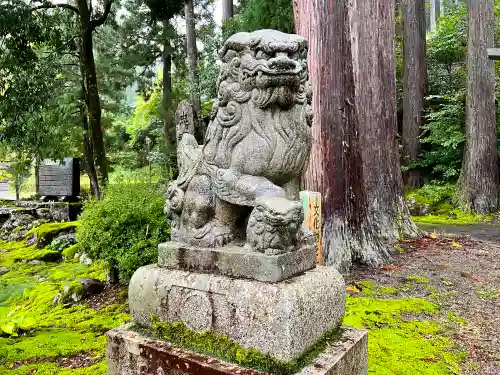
(234, 261)
(284, 319)
(132, 353)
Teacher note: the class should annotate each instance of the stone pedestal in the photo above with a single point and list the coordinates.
(132, 353)
(283, 319)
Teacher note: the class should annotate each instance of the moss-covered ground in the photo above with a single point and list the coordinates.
(39, 337)
(411, 329)
(407, 335)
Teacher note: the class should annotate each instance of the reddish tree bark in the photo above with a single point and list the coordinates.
(478, 185)
(335, 168)
(414, 84)
(373, 34)
(354, 161)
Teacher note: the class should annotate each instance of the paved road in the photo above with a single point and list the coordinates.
(485, 232)
(5, 192)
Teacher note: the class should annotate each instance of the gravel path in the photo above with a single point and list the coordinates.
(484, 232)
(465, 274)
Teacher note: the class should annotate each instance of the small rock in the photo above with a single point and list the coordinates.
(92, 286)
(84, 259)
(4, 270)
(57, 298)
(50, 256)
(18, 235)
(71, 293)
(34, 262)
(482, 253)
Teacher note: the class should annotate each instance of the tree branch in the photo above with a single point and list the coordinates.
(52, 6)
(99, 21)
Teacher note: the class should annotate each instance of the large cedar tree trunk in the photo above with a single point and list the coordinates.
(414, 84)
(192, 55)
(478, 186)
(336, 168)
(93, 101)
(227, 9)
(167, 86)
(373, 34)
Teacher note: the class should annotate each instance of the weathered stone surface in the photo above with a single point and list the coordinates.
(236, 262)
(283, 319)
(71, 293)
(347, 356)
(243, 183)
(4, 270)
(133, 353)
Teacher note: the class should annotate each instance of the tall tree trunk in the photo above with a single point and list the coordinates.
(414, 84)
(336, 167)
(93, 101)
(167, 86)
(227, 10)
(192, 55)
(88, 152)
(478, 185)
(88, 156)
(373, 34)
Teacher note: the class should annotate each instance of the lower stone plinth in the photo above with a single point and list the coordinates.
(132, 353)
(283, 319)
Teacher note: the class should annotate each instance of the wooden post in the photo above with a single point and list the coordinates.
(311, 202)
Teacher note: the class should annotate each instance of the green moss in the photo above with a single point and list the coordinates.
(17, 229)
(221, 346)
(46, 232)
(419, 279)
(18, 252)
(70, 252)
(402, 339)
(455, 217)
(400, 250)
(27, 292)
(370, 288)
(48, 368)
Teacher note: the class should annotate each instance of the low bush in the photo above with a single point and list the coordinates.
(125, 227)
(431, 198)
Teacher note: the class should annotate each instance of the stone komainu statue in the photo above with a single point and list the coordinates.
(242, 184)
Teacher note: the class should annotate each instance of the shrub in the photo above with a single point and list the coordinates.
(431, 198)
(125, 227)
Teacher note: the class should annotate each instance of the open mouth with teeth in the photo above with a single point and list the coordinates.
(266, 77)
